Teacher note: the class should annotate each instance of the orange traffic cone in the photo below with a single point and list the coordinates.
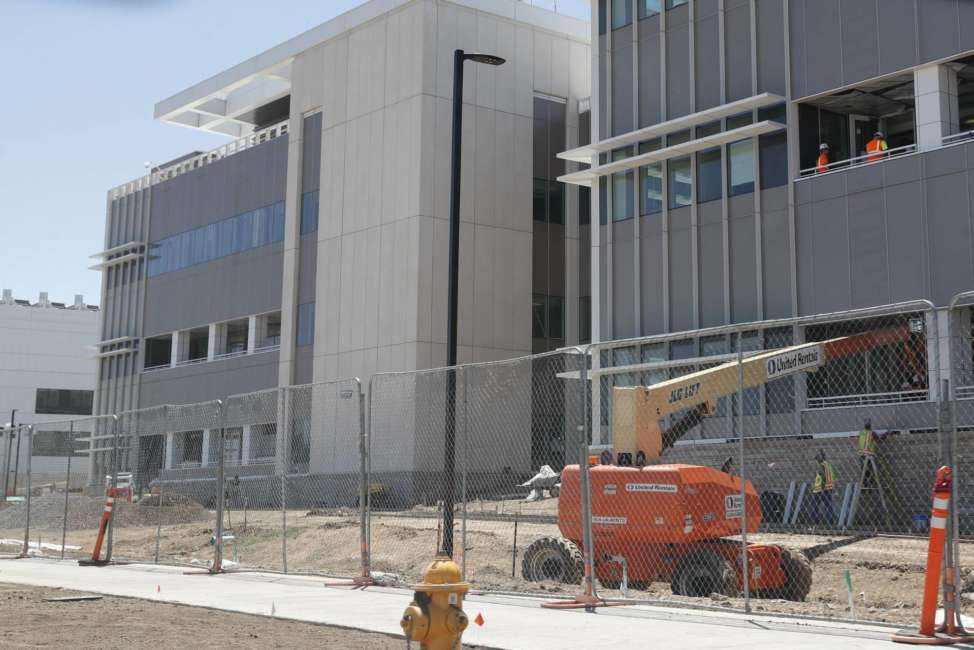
(106, 517)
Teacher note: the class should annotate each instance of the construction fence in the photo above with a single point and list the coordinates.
(799, 453)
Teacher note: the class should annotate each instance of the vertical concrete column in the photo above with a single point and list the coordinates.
(935, 87)
(251, 334)
(175, 353)
(245, 445)
(292, 249)
(211, 342)
(170, 449)
(205, 456)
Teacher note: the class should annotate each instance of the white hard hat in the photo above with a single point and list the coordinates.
(823, 147)
(879, 134)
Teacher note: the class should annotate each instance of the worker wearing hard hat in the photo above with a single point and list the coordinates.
(822, 165)
(822, 491)
(877, 147)
(868, 447)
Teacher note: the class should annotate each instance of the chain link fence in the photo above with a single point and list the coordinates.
(781, 466)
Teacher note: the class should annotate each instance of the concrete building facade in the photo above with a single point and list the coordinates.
(313, 247)
(707, 207)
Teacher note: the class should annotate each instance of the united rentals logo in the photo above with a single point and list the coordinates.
(794, 361)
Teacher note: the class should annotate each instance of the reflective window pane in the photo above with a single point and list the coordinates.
(740, 167)
(309, 212)
(539, 197)
(648, 8)
(680, 182)
(621, 13)
(556, 202)
(773, 157)
(708, 176)
(306, 324)
(651, 189)
(671, 4)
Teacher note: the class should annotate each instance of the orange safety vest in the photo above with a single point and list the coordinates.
(875, 149)
(823, 163)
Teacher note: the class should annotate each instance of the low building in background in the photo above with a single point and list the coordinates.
(47, 373)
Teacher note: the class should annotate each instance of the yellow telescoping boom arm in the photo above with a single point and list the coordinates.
(637, 410)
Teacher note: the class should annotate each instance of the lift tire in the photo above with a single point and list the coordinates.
(552, 558)
(554, 491)
(798, 575)
(703, 573)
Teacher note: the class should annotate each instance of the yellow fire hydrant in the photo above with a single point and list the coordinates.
(435, 618)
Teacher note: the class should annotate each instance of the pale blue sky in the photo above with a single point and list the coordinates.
(80, 81)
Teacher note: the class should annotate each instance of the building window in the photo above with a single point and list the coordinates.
(585, 319)
(263, 442)
(234, 235)
(56, 444)
(236, 336)
(306, 324)
(269, 330)
(602, 16)
(584, 206)
(197, 342)
(680, 137)
(650, 181)
(648, 8)
(621, 13)
(547, 317)
(740, 167)
(708, 176)
(680, 182)
(556, 202)
(622, 189)
(309, 212)
(158, 351)
(58, 401)
(673, 4)
(540, 200)
(189, 448)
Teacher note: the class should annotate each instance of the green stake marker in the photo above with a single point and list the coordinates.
(848, 586)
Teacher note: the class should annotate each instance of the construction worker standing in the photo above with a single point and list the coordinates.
(822, 491)
(877, 147)
(822, 165)
(868, 446)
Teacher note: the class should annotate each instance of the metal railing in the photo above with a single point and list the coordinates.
(856, 161)
(957, 138)
(897, 397)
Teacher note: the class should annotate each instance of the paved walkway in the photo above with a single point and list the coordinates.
(510, 622)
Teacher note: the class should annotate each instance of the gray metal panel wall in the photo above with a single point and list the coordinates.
(859, 40)
(623, 289)
(198, 383)
(775, 253)
(881, 234)
(897, 35)
(677, 67)
(649, 71)
(771, 59)
(706, 43)
(307, 266)
(743, 260)
(244, 181)
(680, 270)
(938, 28)
(711, 243)
(226, 288)
(622, 80)
(652, 274)
(737, 45)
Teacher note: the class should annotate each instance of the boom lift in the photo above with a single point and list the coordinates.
(670, 523)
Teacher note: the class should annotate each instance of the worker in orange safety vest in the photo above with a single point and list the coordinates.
(822, 165)
(877, 147)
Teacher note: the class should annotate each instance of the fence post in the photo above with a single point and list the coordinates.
(220, 492)
(367, 441)
(463, 483)
(284, 444)
(363, 494)
(740, 437)
(30, 454)
(588, 555)
(67, 488)
(114, 484)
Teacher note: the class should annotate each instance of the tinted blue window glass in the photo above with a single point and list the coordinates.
(309, 212)
(306, 324)
(239, 233)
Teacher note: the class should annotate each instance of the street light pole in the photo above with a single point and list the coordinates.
(449, 448)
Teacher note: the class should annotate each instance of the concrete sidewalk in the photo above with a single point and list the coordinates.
(510, 622)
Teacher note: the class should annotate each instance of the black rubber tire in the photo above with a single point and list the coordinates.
(703, 573)
(554, 491)
(552, 558)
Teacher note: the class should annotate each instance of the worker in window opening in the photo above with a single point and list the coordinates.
(822, 165)
(822, 491)
(877, 147)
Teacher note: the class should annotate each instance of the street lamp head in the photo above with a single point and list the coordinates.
(486, 59)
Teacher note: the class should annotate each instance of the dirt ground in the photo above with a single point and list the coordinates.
(886, 572)
(31, 622)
